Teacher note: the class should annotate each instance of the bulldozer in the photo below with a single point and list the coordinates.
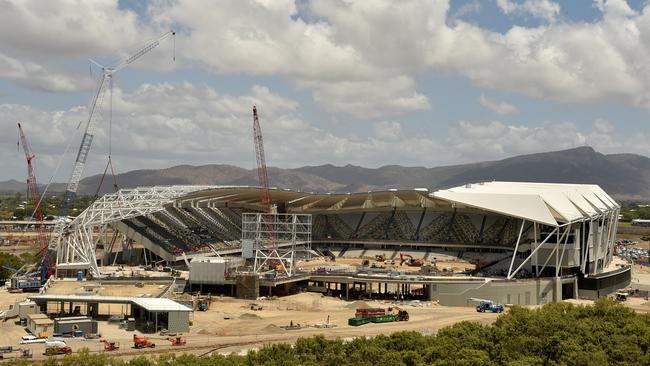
(410, 261)
(140, 341)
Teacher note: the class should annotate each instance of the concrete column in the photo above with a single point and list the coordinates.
(557, 289)
(347, 292)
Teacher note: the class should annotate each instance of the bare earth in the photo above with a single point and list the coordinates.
(230, 326)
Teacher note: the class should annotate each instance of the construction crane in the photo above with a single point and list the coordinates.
(33, 193)
(105, 82)
(265, 252)
(261, 163)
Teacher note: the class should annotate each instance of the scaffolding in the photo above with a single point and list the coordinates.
(276, 238)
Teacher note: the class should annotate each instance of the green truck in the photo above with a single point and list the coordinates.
(365, 316)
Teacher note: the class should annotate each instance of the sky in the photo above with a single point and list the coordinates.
(371, 83)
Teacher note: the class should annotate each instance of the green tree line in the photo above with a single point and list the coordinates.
(18, 206)
(606, 333)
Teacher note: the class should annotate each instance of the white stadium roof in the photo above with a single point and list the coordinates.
(546, 203)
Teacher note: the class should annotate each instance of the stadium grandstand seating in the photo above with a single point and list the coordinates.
(177, 228)
(156, 234)
(230, 223)
(376, 228)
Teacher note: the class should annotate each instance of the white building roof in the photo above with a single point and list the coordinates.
(547, 203)
(159, 304)
(147, 303)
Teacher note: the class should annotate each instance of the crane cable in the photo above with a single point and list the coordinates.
(109, 163)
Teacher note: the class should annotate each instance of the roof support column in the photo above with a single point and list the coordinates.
(566, 240)
(555, 251)
(514, 253)
(531, 254)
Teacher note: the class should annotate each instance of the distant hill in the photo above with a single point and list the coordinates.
(626, 176)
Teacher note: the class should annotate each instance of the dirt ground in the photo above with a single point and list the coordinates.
(353, 263)
(231, 326)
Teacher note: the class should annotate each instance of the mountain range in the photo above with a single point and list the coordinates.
(625, 176)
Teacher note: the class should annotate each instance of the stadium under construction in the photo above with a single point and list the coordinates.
(527, 243)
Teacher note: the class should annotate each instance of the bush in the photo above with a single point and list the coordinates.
(606, 333)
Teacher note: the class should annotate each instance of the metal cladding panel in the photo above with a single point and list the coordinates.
(178, 322)
(248, 249)
(208, 273)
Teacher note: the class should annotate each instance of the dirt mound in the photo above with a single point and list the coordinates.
(358, 305)
(272, 328)
(203, 331)
(249, 316)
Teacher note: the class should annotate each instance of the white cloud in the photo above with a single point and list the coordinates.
(159, 125)
(542, 9)
(388, 131)
(354, 57)
(164, 124)
(603, 126)
(45, 44)
(498, 107)
(479, 141)
(370, 99)
(35, 76)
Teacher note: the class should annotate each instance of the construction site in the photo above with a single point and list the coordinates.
(206, 269)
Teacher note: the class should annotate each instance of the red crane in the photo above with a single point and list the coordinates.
(261, 163)
(32, 191)
(262, 173)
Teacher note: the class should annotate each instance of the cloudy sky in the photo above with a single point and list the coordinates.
(418, 83)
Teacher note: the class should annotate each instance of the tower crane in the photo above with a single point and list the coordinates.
(32, 191)
(105, 82)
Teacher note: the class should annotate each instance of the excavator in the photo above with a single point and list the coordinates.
(410, 261)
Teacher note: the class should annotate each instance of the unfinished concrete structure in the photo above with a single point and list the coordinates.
(532, 242)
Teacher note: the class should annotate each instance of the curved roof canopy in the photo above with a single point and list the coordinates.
(547, 203)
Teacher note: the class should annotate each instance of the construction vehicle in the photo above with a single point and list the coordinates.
(380, 257)
(378, 315)
(484, 306)
(410, 261)
(203, 302)
(110, 345)
(203, 305)
(140, 341)
(57, 348)
(256, 307)
(622, 296)
(402, 315)
(177, 341)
